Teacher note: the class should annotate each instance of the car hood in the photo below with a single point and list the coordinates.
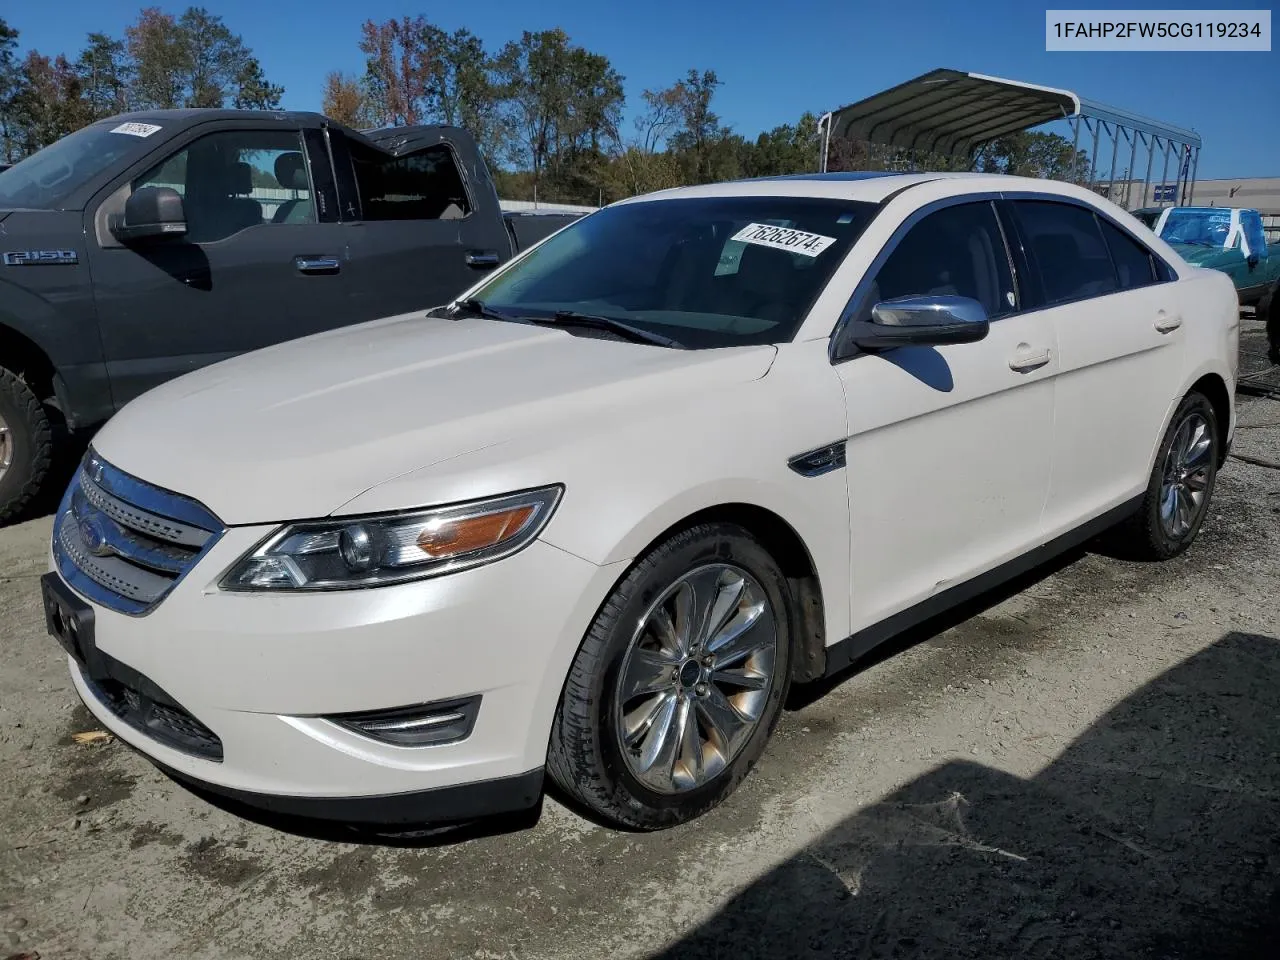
(298, 429)
(1195, 253)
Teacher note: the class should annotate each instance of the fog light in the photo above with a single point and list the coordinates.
(428, 724)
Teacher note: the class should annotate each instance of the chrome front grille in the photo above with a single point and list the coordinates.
(124, 543)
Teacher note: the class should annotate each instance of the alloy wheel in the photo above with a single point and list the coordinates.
(696, 678)
(1187, 468)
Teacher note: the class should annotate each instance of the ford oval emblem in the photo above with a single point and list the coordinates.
(94, 536)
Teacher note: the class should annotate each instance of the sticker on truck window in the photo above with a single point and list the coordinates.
(134, 129)
(784, 238)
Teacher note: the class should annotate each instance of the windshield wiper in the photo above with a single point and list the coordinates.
(571, 318)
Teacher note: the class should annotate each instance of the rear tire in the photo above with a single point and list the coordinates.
(26, 445)
(1181, 485)
(666, 709)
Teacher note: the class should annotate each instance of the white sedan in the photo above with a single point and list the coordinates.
(590, 521)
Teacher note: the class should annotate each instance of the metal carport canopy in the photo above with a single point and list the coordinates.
(953, 112)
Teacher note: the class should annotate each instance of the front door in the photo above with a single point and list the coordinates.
(256, 267)
(949, 447)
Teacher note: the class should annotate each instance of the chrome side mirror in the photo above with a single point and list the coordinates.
(921, 321)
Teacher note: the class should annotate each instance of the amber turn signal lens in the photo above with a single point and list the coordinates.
(472, 533)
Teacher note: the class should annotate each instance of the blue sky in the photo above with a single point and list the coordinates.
(777, 59)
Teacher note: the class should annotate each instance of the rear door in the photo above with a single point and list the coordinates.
(1118, 326)
(418, 233)
(263, 260)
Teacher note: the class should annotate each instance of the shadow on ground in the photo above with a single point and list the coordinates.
(1156, 834)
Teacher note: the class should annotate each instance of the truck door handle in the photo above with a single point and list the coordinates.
(1167, 322)
(317, 264)
(482, 259)
(1025, 359)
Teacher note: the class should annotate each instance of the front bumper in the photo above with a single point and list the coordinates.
(264, 671)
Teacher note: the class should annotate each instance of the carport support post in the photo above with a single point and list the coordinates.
(1132, 137)
(1164, 174)
(1093, 159)
(1189, 187)
(1115, 150)
(1146, 180)
(1075, 146)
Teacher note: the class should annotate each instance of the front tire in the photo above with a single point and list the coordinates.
(1181, 484)
(678, 683)
(26, 444)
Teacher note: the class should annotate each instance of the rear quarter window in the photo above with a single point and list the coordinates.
(1135, 266)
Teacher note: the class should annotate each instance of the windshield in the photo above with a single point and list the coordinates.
(706, 271)
(46, 178)
(1205, 228)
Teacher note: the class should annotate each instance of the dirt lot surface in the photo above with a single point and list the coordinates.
(1084, 765)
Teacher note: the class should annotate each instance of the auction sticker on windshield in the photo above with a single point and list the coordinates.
(134, 129)
(784, 238)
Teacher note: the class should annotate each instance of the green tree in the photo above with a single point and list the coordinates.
(104, 71)
(10, 79)
(48, 104)
(193, 61)
(562, 105)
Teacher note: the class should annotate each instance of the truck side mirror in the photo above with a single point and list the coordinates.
(151, 212)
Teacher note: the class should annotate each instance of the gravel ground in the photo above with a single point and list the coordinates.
(1083, 765)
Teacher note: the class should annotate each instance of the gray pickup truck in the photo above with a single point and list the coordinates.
(150, 244)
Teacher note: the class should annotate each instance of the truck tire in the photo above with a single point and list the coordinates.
(1269, 313)
(26, 444)
(678, 683)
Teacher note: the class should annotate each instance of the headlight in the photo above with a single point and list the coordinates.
(343, 553)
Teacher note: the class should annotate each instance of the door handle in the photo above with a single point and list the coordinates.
(1167, 322)
(482, 259)
(317, 264)
(1024, 361)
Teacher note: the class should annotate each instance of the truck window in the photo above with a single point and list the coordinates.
(236, 179)
(425, 185)
(1254, 235)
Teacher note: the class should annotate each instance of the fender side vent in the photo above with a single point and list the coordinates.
(817, 462)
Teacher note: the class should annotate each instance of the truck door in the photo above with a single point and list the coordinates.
(419, 234)
(262, 261)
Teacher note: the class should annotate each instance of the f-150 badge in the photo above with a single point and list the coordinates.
(32, 258)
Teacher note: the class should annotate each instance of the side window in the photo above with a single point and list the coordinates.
(1070, 255)
(236, 179)
(1133, 261)
(420, 186)
(1254, 235)
(957, 251)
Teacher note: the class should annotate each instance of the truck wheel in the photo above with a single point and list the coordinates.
(1181, 485)
(26, 444)
(679, 681)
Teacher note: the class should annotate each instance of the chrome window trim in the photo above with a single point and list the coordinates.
(1165, 271)
(837, 353)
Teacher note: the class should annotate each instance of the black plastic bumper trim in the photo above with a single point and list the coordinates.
(456, 804)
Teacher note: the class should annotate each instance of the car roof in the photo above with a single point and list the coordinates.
(867, 186)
